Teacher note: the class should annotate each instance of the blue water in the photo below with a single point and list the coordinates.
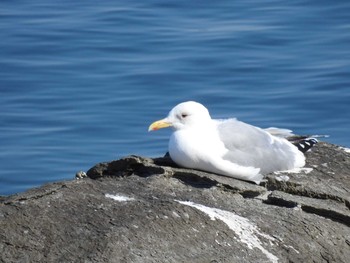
(81, 82)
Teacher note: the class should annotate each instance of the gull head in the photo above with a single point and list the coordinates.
(184, 115)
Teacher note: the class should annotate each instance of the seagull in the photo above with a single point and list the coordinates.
(228, 147)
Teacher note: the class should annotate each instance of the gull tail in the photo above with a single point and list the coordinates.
(305, 144)
(257, 178)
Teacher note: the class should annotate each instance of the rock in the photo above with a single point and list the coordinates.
(148, 210)
(80, 175)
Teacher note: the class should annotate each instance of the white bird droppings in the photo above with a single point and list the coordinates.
(247, 232)
(304, 170)
(283, 178)
(176, 214)
(119, 198)
(345, 149)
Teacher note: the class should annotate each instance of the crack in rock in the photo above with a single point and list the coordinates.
(330, 209)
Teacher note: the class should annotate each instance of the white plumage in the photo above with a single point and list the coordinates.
(227, 147)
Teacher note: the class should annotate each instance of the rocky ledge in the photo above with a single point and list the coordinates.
(148, 210)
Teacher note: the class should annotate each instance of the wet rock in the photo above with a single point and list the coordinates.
(149, 210)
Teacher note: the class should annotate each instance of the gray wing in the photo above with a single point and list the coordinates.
(239, 135)
(251, 146)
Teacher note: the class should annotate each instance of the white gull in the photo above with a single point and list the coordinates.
(226, 147)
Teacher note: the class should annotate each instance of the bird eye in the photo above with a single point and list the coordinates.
(184, 115)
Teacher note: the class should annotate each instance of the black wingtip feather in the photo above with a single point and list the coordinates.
(306, 144)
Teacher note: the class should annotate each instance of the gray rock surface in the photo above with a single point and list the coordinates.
(148, 210)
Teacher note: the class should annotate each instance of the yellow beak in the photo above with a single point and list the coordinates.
(164, 123)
